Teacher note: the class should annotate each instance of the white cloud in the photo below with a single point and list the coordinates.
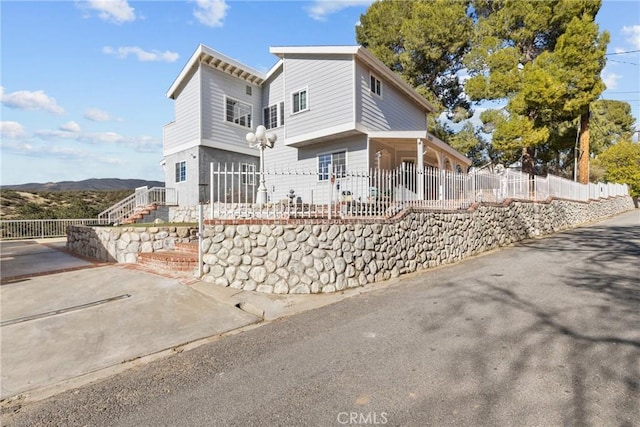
(13, 130)
(322, 8)
(633, 35)
(32, 101)
(70, 127)
(610, 78)
(141, 54)
(142, 144)
(116, 11)
(97, 115)
(56, 134)
(210, 12)
(15, 147)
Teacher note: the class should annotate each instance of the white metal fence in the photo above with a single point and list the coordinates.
(380, 193)
(41, 228)
(45, 228)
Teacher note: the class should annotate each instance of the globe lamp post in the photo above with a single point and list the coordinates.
(260, 140)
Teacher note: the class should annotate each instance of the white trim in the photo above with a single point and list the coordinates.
(343, 128)
(253, 76)
(355, 90)
(273, 69)
(200, 101)
(227, 146)
(430, 141)
(279, 114)
(409, 134)
(182, 147)
(332, 152)
(377, 79)
(307, 107)
(340, 50)
(284, 96)
(178, 171)
(224, 112)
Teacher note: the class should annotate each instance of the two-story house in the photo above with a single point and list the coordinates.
(335, 105)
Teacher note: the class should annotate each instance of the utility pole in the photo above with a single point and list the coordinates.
(583, 156)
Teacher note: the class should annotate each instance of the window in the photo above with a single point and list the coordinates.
(299, 101)
(375, 85)
(238, 112)
(248, 90)
(337, 160)
(247, 173)
(181, 171)
(273, 116)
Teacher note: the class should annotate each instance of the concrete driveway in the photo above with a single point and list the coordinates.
(63, 325)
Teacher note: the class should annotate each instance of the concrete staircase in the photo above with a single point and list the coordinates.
(184, 258)
(139, 214)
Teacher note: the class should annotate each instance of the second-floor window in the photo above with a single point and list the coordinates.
(273, 116)
(181, 171)
(375, 85)
(299, 101)
(238, 112)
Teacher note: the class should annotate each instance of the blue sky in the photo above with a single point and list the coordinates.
(83, 83)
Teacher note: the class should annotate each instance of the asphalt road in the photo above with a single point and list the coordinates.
(544, 333)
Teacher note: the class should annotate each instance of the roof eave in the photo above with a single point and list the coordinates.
(195, 58)
(379, 66)
(218, 61)
(280, 51)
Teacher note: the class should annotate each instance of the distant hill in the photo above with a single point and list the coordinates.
(99, 184)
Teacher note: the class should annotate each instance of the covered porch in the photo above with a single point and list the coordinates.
(415, 149)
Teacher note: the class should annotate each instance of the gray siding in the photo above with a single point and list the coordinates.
(184, 131)
(220, 193)
(273, 90)
(280, 156)
(195, 189)
(186, 191)
(391, 111)
(329, 80)
(215, 85)
(305, 159)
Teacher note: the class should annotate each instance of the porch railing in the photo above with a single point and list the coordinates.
(332, 193)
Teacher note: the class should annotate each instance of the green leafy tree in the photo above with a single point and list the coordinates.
(621, 163)
(544, 59)
(611, 122)
(425, 43)
(471, 143)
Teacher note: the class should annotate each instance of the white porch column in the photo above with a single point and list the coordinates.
(420, 170)
(440, 157)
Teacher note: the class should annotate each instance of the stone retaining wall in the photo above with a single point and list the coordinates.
(122, 244)
(327, 258)
(187, 213)
(312, 258)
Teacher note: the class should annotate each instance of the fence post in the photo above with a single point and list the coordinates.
(330, 166)
(200, 232)
(210, 190)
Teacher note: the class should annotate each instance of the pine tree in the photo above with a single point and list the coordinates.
(424, 42)
(544, 59)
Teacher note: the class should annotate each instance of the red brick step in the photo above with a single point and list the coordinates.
(169, 260)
